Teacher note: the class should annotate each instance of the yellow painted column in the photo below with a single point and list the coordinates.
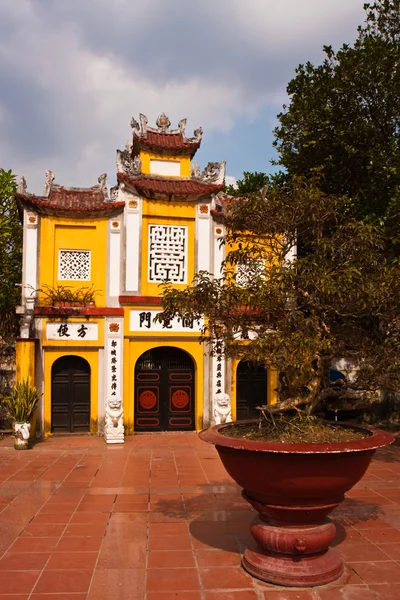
(25, 360)
(272, 386)
(25, 369)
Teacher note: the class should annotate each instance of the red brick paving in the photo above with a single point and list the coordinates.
(159, 519)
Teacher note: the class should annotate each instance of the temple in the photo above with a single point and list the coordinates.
(93, 262)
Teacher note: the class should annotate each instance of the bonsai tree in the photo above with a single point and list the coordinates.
(303, 282)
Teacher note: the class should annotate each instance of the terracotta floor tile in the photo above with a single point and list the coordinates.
(210, 541)
(355, 592)
(72, 560)
(57, 597)
(37, 530)
(26, 544)
(362, 552)
(173, 596)
(99, 518)
(214, 578)
(118, 584)
(170, 542)
(60, 580)
(217, 558)
(30, 561)
(162, 529)
(238, 595)
(170, 560)
(51, 518)
(85, 530)
(168, 580)
(385, 591)
(377, 572)
(14, 597)
(79, 544)
(18, 582)
(383, 536)
(123, 554)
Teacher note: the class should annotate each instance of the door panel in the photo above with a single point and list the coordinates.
(251, 390)
(70, 395)
(164, 391)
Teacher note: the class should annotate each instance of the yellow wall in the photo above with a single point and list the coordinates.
(58, 233)
(134, 349)
(146, 157)
(50, 356)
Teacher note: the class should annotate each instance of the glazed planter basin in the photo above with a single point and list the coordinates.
(294, 487)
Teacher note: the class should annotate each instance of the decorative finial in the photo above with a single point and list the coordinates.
(182, 126)
(163, 123)
(21, 185)
(198, 134)
(48, 182)
(143, 124)
(135, 125)
(103, 184)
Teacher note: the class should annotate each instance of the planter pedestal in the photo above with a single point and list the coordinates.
(293, 556)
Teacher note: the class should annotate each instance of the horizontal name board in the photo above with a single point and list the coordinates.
(143, 320)
(72, 331)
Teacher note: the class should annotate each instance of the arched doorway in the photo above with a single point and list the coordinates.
(251, 389)
(164, 390)
(70, 395)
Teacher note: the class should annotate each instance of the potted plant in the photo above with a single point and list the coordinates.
(67, 296)
(21, 406)
(302, 283)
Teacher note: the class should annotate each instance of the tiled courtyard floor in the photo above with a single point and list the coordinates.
(159, 519)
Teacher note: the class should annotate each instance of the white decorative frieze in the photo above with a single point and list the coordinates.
(167, 253)
(64, 330)
(143, 320)
(74, 265)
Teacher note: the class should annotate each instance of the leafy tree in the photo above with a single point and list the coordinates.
(253, 182)
(340, 299)
(343, 120)
(10, 260)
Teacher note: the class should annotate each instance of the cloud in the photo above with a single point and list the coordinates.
(73, 73)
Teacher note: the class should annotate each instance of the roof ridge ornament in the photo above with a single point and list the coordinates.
(103, 185)
(21, 188)
(214, 172)
(163, 123)
(48, 182)
(182, 127)
(143, 124)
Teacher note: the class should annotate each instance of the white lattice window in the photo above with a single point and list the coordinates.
(246, 274)
(167, 253)
(74, 265)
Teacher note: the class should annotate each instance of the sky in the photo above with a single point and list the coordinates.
(74, 72)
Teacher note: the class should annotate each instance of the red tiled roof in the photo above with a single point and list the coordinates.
(151, 187)
(173, 143)
(79, 201)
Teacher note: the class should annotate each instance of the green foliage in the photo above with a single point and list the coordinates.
(65, 293)
(340, 298)
(23, 401)
(10, 260)
(253, 182)
(343, 120)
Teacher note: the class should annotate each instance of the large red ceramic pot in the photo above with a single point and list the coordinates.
(293, 487)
